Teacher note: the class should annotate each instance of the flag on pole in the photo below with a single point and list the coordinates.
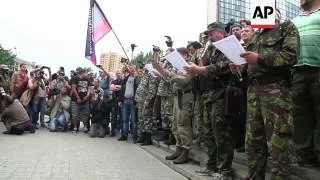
(98, 27)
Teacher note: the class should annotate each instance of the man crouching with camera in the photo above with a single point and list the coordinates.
(14, 116)
(100, 111)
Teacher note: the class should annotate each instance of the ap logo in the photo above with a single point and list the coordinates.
(263, 14)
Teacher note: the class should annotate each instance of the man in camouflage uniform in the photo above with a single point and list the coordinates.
(182, 110)
(146, 126)
(215, 76)
(270, 57)
(165, 93)
(140, 97)
(197, 119)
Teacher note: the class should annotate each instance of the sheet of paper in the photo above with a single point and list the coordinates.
(151, 70)
(177, 61)
(231, 48)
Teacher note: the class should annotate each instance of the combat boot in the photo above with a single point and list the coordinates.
(171, 140)
(147, 141)
(183, 158)
(141, 138)
(175, 155)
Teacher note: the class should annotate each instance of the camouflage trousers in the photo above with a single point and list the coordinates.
(166, 112)
(181, 125)
(140, 106)
(306, 96)
(217, 134)
(198, 123)
(269, 121)
(147, 119)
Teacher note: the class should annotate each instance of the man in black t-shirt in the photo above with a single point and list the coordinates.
(80, 100)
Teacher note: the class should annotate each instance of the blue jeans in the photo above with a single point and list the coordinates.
(58, 120)
(116, 121)
(129, 114)
(38, 106)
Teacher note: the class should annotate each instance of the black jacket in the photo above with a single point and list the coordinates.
(123, 87)
(99, 111)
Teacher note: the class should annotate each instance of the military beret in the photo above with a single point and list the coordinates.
(214, 26)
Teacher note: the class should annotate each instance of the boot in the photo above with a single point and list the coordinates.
(183, 158)
(123, 138)
(147, 141)
(171, 140)
(141, 138)
(175, 155)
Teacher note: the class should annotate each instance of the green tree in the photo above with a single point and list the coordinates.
(141, 58)
(6, 57)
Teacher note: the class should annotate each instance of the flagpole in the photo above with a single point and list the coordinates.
(120, 43)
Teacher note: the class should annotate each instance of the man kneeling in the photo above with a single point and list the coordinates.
(14, 116)
(60, 115)
(99, 111)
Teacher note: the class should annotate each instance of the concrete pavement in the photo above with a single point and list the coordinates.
(64, 156)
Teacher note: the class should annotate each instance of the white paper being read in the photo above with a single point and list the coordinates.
(177, 61)
(231, 48)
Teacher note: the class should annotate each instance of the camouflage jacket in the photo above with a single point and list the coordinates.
(181, 82)
(152, 87)
(218, 75)
(195, 57)
(164, 88)
(142, 89)
(278, 51)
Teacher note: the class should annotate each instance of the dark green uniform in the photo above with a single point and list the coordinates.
(269, 100)
(217, 127)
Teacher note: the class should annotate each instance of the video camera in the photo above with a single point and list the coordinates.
(169, 41)
(124, 60)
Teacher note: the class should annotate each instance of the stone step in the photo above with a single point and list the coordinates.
(188, 170)
(199, 156)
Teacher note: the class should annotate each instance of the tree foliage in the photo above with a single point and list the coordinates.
(6, 57)
(141, 58)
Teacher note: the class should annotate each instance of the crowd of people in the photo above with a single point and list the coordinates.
(267, 107)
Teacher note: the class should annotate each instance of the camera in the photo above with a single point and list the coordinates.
(169, 41)
(124, 60)
(156, 49)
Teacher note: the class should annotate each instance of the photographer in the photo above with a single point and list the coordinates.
(60, 115)
(14, 116)
(100, 110)
(39, 98)
(59, 80)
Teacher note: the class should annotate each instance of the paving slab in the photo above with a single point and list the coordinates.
(67, 156)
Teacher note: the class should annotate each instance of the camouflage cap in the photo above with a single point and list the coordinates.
(214, 26)
(236, 25)
(195, 44)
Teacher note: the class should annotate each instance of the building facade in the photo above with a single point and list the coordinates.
(289, 8)
(111, 61)
(225, 10)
